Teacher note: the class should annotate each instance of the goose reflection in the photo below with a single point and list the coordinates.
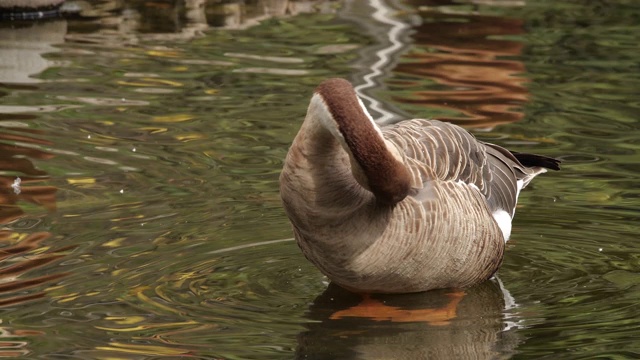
(475, 323)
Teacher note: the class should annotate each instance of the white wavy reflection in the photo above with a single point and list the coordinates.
(391, 37)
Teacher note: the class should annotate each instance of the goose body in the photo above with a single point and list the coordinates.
(414, 206)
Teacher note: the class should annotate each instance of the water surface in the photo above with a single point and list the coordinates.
(148, 140)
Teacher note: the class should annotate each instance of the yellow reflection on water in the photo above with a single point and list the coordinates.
(173, 118)
(150, 82)
(144, 349)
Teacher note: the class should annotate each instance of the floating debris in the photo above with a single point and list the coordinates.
(16, 185)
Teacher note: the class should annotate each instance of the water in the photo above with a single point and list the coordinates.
(148, 144)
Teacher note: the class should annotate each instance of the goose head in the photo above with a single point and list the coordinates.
(375, 163)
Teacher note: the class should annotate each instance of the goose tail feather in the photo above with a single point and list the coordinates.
(533, 160)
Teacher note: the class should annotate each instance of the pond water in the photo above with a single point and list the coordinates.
(148, 138)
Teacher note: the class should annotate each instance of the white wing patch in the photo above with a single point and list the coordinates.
(502, 217)
(504, 222)
(519, 184)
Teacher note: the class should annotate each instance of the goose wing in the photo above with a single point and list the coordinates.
(435, 150)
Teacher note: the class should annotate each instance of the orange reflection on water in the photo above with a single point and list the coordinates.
(16, 158)
(376, 310)
(466, 53)
(19, 258)
(23, 254)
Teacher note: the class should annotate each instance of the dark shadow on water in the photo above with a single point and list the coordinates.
(467, 324)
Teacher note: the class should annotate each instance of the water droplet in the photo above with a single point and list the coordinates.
(16, 186)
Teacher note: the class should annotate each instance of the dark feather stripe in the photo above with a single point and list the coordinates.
(533, 160)
(504, 186)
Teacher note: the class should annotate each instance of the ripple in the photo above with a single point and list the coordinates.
(579, 158)
(247, 281)
(100, 160)
(105, 101)
(151, 90)
(25, 223)
(272, 71)
(276, 59)
(20, 259)
(237, 295)
(19, 109)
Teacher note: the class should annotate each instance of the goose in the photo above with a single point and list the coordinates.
(409, 207)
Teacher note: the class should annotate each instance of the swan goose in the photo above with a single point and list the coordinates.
(410, 207)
